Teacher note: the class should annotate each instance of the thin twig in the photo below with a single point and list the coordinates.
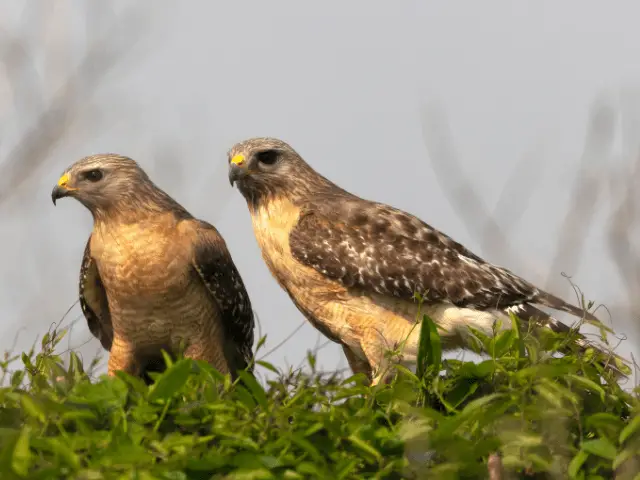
(494, 467)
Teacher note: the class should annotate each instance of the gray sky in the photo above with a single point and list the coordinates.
(382, 97)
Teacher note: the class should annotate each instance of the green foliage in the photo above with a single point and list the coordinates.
(546, 416)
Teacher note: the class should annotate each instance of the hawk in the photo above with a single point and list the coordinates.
(352, 266)
(152, 276)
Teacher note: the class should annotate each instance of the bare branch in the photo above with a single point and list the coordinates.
(515, 196)
(55, 120)
(460, 191)
(585, 194)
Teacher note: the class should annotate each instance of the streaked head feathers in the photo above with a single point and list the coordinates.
(110, 183)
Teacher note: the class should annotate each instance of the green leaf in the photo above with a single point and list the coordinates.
(211, 373)
(268, 366)
(168, 361)
(621, 365)
(171, 381)
(315, 427)
(32, 409)
(311, 359)
(17, 377)
(481, 402)
(21, 459)
(261, 341)
(109, 392)
(429, 348)
(589, 385)
(576, 463)
(77, 415)
(245, 397)
(63, 451)
(606, 424)
(244, 473)
(75, 365)
(517, 331)
(503, 343)
(309, 469)
(256, 389)
(630, 429)
(346, 468)
(600, 447)
(133, 381)
(175, 475)
(364, 446)
(270, 462)
(307, 446)
(247, 460)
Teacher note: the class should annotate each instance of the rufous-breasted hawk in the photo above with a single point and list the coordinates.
(352, 266)
(152, 276)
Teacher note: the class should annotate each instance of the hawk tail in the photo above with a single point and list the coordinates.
(548, 300)
(530, 314)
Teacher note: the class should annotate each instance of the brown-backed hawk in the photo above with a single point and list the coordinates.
(352, 266)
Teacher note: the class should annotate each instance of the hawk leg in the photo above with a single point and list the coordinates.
(208, 349)
(356, 364)
(378, 351)
(123, 357)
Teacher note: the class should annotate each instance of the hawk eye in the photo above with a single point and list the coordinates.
(93, 175)
(268, 157)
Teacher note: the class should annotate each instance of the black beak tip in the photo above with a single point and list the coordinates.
(57, 193)
(234, 173)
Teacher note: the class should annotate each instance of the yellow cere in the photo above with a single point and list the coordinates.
(238, 159)
(64, 179)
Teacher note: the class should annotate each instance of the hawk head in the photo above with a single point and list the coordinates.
(100, 182)
(264, 166)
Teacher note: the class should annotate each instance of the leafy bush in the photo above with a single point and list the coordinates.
(546, 417)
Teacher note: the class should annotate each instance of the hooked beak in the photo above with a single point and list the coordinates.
(237, 169)
(62, 189)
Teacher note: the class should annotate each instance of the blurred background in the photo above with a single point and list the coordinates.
(512, 126)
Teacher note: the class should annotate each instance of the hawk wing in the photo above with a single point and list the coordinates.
(378, 248)
(93, 300)
(214, 266)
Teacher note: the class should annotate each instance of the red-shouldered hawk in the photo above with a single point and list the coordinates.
(352, 266)
(152, 275)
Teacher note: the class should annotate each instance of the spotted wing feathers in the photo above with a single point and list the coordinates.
(93, 300)
(214, 265)
(384, 250)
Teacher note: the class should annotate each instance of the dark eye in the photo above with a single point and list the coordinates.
(93, 175)
(268, 157)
